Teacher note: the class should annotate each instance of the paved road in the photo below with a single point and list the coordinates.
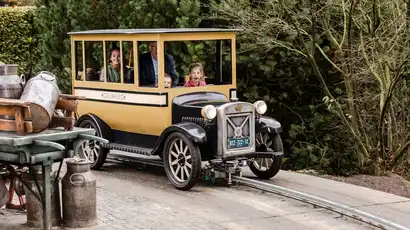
(144, 199)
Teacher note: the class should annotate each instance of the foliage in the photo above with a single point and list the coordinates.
(17, 36)
(332, 72)
(363, 44)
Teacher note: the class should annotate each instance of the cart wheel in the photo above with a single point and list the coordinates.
(182, 161)
(266, 168)
(92, 150)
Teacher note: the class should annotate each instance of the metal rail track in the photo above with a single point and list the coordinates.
(320, 202)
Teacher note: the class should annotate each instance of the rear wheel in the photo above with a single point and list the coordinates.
(182, 161)
(92, 150)
(266, 168)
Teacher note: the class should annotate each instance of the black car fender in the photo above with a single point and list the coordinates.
(265, 124)
(194, 132)
(102, 127)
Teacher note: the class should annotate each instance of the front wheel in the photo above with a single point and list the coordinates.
(92, 150)
(182, 161)
(266, 168)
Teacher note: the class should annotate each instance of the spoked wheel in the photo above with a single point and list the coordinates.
(266, 168)
(92, 150)
(182, 161)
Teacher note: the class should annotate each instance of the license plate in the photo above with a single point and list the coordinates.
(238, 142)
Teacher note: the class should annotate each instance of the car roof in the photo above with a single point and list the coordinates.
(154, 31)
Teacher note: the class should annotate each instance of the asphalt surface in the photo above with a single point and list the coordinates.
(129, 197)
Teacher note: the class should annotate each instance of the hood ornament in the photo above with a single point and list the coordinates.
(238, 108)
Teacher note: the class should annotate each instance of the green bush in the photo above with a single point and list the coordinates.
(17, 41)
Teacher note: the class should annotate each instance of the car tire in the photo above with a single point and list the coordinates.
(180, 162)
(272, 165)
(93, 147)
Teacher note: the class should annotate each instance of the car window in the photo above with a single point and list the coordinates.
(94, 60)
(147, 64)
(199, 63)
(78, 55)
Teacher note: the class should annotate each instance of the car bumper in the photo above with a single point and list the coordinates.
(254, 155)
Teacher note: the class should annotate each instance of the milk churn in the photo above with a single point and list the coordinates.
(11, 85)
(33, 205)
(4, 192)
(43, 93)
(79, 194)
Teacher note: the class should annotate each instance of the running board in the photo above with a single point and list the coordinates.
(129, 148)
(134, 159)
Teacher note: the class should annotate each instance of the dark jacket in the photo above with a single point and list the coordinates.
(147, 72)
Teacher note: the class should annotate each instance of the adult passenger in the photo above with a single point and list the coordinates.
(148, 67)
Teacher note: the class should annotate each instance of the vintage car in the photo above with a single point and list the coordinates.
(184, 126)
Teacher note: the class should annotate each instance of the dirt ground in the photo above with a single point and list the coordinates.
(391, 183)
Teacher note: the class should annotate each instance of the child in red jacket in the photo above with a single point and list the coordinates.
(196, 75)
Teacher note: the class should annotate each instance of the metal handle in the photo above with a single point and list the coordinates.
(94, 138)
(22, 80)
(49, 144)
(71, 177)
(48, 77)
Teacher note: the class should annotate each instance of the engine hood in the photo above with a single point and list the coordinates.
(200, 99)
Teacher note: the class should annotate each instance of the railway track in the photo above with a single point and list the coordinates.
(290, 193)
(320, 202)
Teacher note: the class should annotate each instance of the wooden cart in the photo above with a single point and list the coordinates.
(20, 146)
(45, 148)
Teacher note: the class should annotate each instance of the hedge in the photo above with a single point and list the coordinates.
(17, 41)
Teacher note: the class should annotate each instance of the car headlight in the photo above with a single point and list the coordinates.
(260, 107)
(208, 112)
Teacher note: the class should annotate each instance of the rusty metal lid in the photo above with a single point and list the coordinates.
(78, 161)
(8, 69)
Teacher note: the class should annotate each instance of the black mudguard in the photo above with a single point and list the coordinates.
(102, 127)
(193, 131)
(267, 125)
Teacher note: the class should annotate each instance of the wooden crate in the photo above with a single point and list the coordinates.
(68, 106)
(22, 123)
(20, 110)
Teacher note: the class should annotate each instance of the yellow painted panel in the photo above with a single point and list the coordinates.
(150, 120)
(131, 118)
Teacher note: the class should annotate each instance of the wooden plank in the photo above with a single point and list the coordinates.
(71, 97)
(7, 101)
(10, 125)
(19, 119)
(27, 114)
(67, 105)
(67, 122)
(6, 110)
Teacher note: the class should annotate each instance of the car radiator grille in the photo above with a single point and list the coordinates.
(238, 126)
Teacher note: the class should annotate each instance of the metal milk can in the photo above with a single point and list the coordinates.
(79, 194)
(33, 205)
(4, 192)
(43, 93)
(11, 85)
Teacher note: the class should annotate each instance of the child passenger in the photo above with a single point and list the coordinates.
(167, 81)
(196, 75)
